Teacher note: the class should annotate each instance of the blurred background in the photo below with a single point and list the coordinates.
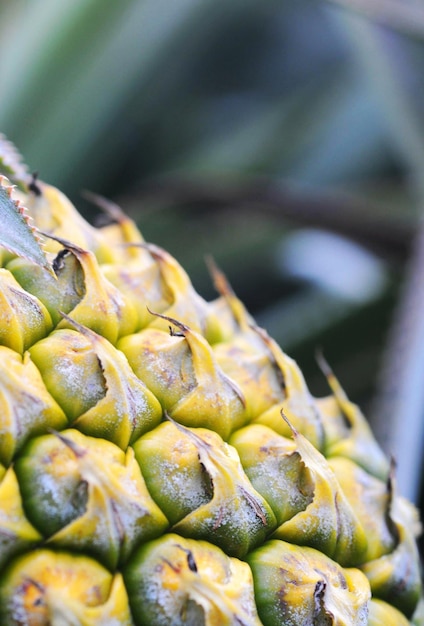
(284, 138)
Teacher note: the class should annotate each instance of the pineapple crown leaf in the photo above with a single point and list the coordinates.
(12, 165)
(17, 234)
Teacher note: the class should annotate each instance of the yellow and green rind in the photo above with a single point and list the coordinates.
(152, 477)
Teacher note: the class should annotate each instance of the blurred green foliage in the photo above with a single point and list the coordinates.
(229, 127)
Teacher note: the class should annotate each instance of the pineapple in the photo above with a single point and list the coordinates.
(162, 461)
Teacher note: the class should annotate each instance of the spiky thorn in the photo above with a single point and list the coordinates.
(110, 208)
(68, 248)
(72, 247)
(84, 330)
(269, 344)
(322, 362)
(77, 450)
(157, 252)
(333, 383)
(194, 437)
(220, 281)
(182, 327)
(186, 330)
(391, 488)
(294, 432)
(198, 441)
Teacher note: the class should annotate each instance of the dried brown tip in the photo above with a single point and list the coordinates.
(182, 327)
(289, 424)
(109, 207)
(220, 281)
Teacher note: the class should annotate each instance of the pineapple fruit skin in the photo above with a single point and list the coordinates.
(163, 462)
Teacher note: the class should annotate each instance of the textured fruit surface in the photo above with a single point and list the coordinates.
(162, 461)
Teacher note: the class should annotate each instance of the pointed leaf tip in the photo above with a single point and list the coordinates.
(294, 432)
(17, 235)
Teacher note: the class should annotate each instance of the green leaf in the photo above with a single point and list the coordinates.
(16, 233)
(11, 163)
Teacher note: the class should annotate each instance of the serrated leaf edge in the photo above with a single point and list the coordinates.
(9, 188)
(12, 164)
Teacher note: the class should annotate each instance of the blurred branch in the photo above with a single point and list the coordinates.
(407, 18)
(344, 214)
(400, 400)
